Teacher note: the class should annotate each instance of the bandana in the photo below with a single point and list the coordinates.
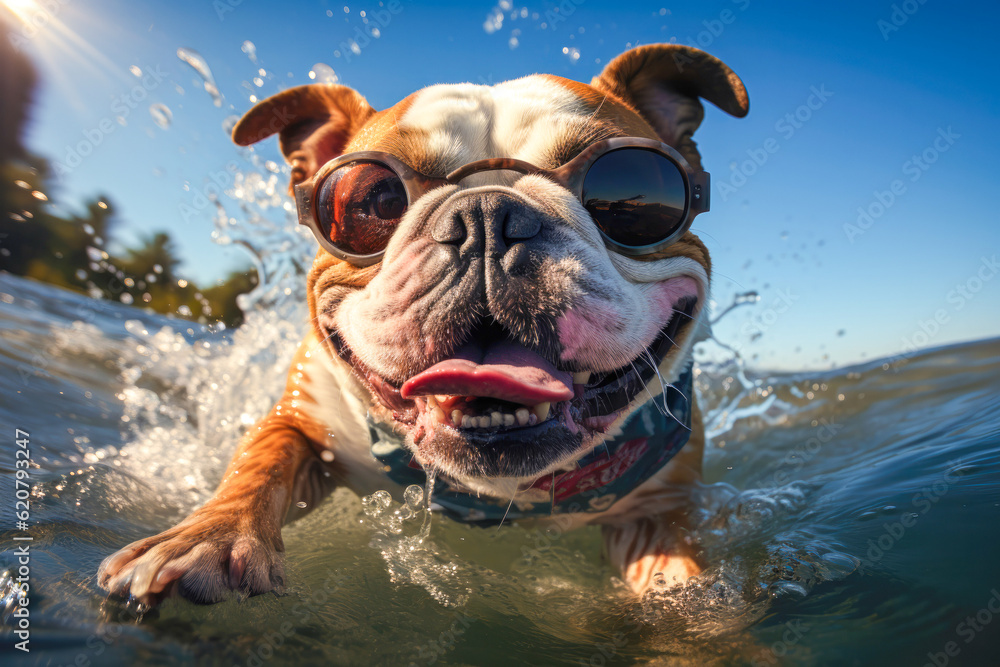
(648, 439)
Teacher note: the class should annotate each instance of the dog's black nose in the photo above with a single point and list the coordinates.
(490, 224)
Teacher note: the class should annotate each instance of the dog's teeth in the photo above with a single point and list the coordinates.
(522, 416)
(541, 411)
(456, 417)
(581, 378)
(496, 419)
(438, 415)
(509, 419)
(431, 403)
(467, 421)
(441, 398)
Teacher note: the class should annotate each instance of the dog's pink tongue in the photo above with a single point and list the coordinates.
(504, 370)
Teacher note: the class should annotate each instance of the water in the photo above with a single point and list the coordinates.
(849, 515)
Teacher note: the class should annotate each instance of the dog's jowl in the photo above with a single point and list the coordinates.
(507, 293)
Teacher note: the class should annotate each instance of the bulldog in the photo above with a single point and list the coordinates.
(505, 298)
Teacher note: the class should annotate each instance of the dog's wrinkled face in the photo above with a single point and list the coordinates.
(498, 333)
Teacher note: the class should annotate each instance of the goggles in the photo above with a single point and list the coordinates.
(641, 193)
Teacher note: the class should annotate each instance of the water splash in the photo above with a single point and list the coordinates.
(741, 299)
(753, 563)
(409, 555)
(197, 62)
(11, 595)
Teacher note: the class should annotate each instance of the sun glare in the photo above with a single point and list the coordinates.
(20, 8)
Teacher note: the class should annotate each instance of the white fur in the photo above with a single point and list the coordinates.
(467, 122)
(341, 404)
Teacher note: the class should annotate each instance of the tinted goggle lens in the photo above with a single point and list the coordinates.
(637, 197)
(359, 205)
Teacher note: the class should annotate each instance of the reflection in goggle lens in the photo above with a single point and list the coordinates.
(636, 197)
(359, 206)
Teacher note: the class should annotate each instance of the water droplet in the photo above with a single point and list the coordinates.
(383, 498)
(161, 115)
(838, 565)
(249, 49)
(197, 62)
(413, 496)
(301, 504)
(229, 123)
(323, 73)
(787, 590)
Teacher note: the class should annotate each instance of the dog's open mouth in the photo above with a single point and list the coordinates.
(500, 398)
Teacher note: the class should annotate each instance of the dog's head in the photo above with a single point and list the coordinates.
(500, 332)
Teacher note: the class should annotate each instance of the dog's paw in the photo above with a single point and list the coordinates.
(660, 569)
(203, 559)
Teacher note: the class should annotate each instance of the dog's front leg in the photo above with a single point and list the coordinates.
(651, 536)
(233, 542)
(646, 548)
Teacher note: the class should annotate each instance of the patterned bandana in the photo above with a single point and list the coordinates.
(649, 438)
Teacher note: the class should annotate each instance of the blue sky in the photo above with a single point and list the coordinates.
(840, 105)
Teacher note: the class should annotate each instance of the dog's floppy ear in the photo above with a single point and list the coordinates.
(313, 122)
(663, 83)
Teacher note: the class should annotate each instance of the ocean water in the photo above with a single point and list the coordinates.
(850, 517)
